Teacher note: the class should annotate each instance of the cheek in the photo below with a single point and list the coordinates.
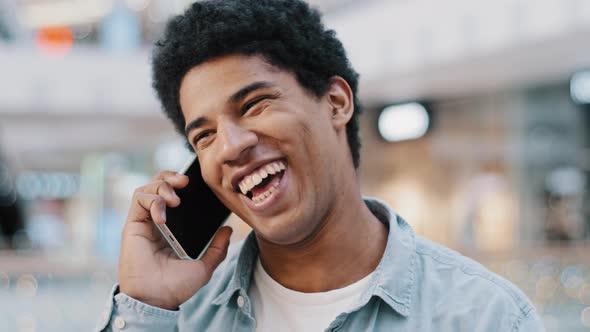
(316, 139)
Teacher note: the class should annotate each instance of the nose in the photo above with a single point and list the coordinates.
(235, 141)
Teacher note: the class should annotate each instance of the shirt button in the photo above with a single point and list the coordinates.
(240, 301)
(119, 323)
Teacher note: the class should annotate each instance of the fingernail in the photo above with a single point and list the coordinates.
(163, 215)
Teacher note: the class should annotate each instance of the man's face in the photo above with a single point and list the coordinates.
(267, 148)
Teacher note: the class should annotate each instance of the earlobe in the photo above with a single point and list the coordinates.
(341, 102)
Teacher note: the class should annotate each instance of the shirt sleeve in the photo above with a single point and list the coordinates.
(530, 323)
(123, 312)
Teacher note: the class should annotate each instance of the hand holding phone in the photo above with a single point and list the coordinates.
(149, 270)
(190, 226)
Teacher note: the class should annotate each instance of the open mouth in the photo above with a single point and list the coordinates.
(262, 182)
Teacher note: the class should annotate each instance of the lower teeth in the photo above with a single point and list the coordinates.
(263, 196)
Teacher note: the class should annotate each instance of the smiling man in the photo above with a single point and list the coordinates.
(266, 97)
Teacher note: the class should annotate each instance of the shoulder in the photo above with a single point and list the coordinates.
(456, 282)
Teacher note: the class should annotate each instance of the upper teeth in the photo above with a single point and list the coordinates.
(254, 179)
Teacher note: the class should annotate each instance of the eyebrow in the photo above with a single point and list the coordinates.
(243, 92)
(195, 124)
(233, 99)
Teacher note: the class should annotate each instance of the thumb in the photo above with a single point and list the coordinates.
(217, 251)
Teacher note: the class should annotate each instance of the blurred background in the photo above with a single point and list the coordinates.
(476, 130)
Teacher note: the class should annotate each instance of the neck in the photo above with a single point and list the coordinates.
(346, 247)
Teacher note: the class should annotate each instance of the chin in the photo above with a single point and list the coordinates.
(284, 232)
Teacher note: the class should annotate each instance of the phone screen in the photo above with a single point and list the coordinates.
(199, 215)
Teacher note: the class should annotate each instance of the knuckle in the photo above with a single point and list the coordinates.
(160, 184)
(159, 201)
(162, 175)
(137, 197)
(138, 191)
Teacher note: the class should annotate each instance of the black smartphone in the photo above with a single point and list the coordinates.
(190, 227)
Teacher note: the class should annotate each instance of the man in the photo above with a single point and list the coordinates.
(258, 85)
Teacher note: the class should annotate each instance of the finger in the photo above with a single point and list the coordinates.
(147, 206)
(142, 217)
(177, 180)
(217, 251)
(164, 189)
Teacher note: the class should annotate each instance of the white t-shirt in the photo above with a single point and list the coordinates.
(277, 308)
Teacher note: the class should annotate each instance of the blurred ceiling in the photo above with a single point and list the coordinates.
(54, 109)
(36, 13)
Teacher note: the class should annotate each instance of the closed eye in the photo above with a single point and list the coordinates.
(202, 138)
(255, 101)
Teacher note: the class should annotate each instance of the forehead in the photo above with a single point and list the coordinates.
(216, 80)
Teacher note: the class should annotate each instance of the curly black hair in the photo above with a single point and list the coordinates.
(286, 33)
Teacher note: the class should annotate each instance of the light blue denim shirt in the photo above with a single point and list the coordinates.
(417, 286)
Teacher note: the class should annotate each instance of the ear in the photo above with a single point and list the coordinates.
(340, 99)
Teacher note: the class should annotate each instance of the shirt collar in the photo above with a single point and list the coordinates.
(242, 274)
(393, 279)
(395, 274)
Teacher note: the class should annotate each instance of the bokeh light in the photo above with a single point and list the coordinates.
(55, 40)
(26, 286)
(47, 185)
(545, 288)
(571, 277)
